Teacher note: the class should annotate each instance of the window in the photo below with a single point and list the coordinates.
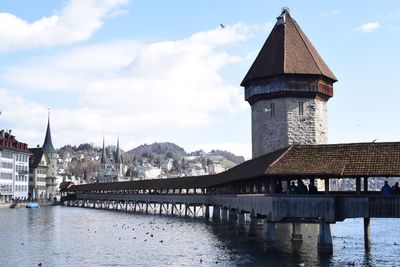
(301, 108)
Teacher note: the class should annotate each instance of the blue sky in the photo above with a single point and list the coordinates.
(165, 70)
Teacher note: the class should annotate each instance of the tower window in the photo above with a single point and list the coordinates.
(301, 108)
(272, 109)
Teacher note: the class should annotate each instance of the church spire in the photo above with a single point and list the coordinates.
(48, 144)
(103, 154)
(117, 153)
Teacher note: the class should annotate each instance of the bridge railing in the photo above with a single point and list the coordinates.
(277, 208)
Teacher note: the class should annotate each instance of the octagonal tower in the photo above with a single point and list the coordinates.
(288, 86)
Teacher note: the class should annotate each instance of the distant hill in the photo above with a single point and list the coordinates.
(159, 149)
(171, 150)
(228, 155)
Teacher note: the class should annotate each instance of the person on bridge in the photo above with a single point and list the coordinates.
(301, 188)
(292, 188)
(312, 189)
(396, 189)
(278, 187)
(386, 190)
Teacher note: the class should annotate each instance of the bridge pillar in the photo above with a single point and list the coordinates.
(241, 222)
(232, 218)
(269, 231)
(224, 214)
(325, 239)
(296, 233)
(253, 224)
(367, 237)
(216, 213)
(186, 209)
(207, 212)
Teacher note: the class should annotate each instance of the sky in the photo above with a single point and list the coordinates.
(157, 71)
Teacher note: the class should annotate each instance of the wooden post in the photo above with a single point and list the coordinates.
(241, 221)
(207, 212)
(365, 184)
(326, 185)
(358, 185)
(253, 224)
(296, 233)
(367, 237)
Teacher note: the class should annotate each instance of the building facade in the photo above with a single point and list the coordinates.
(14, 164)
(43, 179)
(288, 87)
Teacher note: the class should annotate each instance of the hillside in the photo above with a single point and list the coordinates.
(159, 149)
(228, 155)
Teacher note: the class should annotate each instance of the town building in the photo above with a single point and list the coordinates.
(43, 179)
(14, 164)
(215, 167)
(112, 169)
(147, 171)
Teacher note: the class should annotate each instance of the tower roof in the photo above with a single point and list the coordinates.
(103, 154)
(48, 144)
(287, 50)
(117, 153)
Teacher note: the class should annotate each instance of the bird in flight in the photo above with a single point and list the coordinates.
(222, 26)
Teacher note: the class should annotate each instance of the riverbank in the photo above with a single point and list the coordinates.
(23, 204)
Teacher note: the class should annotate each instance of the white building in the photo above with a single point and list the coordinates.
(14, 164)
(146, 171)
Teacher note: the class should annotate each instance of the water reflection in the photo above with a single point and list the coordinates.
(62, 236)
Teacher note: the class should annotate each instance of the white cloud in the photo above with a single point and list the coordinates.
(369, 27)
(77, 21)
(129, 87)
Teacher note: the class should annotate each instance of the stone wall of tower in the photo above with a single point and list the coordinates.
(277, 123)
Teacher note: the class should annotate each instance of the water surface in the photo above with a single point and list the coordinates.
(67, 236)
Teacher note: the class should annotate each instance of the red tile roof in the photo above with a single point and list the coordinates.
(287, 50)
(340, 160)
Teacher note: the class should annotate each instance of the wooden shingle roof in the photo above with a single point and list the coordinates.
(296, 161)
(287, 50)
(339, 160)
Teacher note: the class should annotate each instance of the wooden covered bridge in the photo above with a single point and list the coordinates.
(253, 187)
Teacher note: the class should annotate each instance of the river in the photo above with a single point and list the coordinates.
(67, 236)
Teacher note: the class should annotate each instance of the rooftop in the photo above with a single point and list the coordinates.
(287, 50)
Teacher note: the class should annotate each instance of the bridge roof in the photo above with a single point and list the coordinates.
(339, 160)
(296, 161)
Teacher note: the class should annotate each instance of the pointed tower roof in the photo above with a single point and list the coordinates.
(103, 154)
(287, 50)
(118, 158)
(48, 144)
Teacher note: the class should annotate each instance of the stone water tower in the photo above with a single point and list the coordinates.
(288, 87)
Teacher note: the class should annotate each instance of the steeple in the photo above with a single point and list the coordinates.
(117, 153)
(103, 153)
(48, 144)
